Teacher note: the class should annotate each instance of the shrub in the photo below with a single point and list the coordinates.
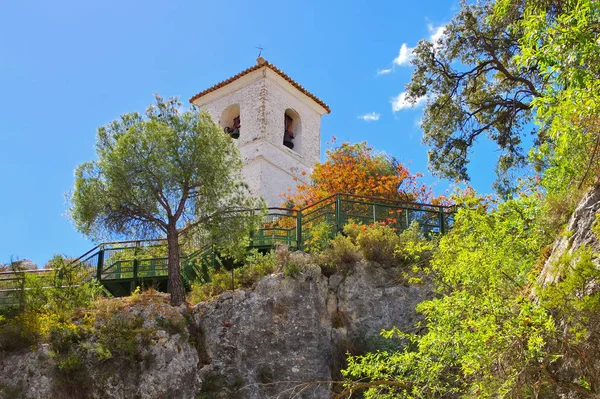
(17, 334)
(257, 265)
(64, 336)
(292, 269)
(319, 237)
(72, 374)
(125, 336)
(378, 243)
(172, 325)
(413, 247)
(342, 253)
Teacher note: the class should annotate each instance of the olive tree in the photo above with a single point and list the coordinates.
(164, 173)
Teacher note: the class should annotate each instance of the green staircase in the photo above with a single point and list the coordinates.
(123, 265)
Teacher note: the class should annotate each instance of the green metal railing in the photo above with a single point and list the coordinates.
(294, 227)
(12, 284)
(121, 266)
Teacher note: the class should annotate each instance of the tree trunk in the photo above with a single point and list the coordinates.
(175, 284)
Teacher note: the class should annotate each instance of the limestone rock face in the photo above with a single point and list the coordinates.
(166, 368)
(579, 233)
(287, 337)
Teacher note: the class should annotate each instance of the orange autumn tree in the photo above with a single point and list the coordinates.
(360, 170)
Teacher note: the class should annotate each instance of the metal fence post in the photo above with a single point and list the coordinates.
(442, 221)
(338, 213)
(100, 264)
(299, 243)
(136, 265)
(374, 214)
(22, 296)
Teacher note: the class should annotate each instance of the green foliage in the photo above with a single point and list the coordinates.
(292, 269)
(49, 301)
(172, 326)
(320, 235)
(472, 326)
(257, 265)
(413, 248)
(474, 89)
(566, 51)
(342, 253)
(165, 173)
(71, 374)
(125, 337)
(494, 330)
(497, 328)
(378, 243)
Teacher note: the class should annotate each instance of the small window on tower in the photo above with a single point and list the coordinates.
(291, 129)
(231, 122)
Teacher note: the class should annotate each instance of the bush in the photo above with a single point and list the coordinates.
(257, 265)
(125, 336)
(319, 237)
(341, 254)
(292, 269)
(413, 247)
(72, 372)
(64, 336)
(16, 333)
(378, 243)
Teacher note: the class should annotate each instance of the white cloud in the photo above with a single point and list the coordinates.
(370, 117)
(404, 56)
(401, 102)
(436, 33)
(384, 71)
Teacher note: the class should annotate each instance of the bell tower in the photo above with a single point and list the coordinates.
(275, 122)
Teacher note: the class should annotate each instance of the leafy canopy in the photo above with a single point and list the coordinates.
(474, 89)
(167, 173)
(358, 169)
(155, 168)
(566, 50)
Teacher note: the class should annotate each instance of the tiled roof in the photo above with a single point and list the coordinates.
(261, 62)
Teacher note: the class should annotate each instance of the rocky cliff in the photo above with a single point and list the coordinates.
(286, 337)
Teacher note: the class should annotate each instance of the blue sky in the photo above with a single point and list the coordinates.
(68, 67)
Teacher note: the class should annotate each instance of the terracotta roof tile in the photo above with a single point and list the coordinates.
(260, 64)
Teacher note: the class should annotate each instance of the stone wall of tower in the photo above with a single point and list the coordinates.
(270, 168)
(307, 144)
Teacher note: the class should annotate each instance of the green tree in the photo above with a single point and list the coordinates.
(566, 50)
(475, 89)
(483, 336)
(164, 173)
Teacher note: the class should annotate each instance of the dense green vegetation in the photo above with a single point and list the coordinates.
(167, 173)
(496, 329)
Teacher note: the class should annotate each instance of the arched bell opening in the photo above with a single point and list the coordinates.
(292, 130)
(230, 121)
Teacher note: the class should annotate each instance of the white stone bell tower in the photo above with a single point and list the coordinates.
(275, 122)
